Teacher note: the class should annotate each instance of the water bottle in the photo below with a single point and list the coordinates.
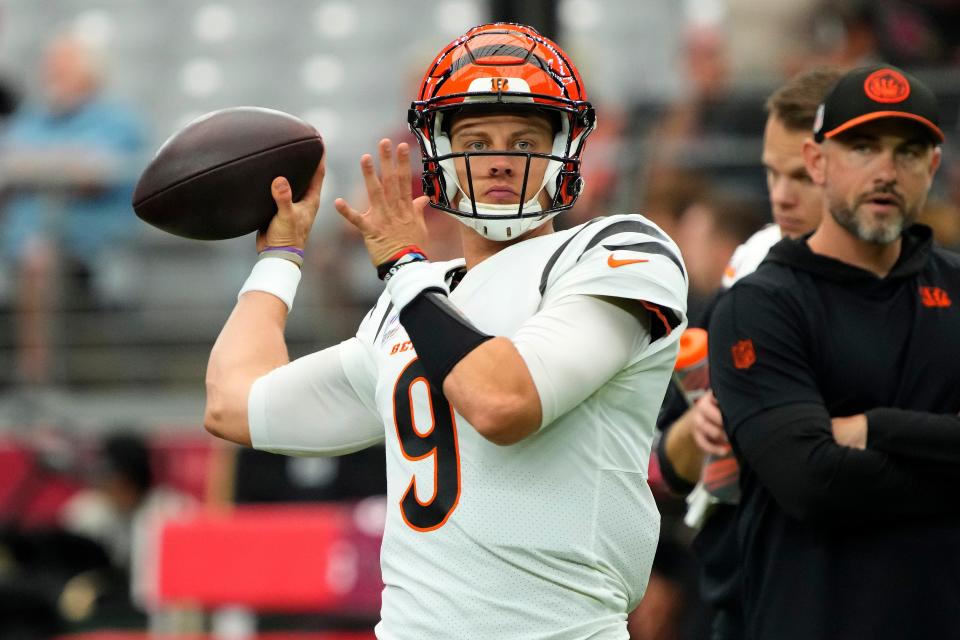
(691, 371)
(720, 476)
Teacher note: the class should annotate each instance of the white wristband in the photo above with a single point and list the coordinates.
(407, 283)
(275, 276)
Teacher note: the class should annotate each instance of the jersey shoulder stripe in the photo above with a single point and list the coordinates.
(595, 231)
(552, 260)
(624, 226)
(622, 256)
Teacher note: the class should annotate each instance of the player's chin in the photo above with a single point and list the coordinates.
(500, 199)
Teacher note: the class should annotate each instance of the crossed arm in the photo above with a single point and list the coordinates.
(879, 466)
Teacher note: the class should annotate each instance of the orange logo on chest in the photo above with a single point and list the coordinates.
(743, 354)
(934, 297)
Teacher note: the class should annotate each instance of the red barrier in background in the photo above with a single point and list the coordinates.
(31, 494)
(296, 559)
(39, 473)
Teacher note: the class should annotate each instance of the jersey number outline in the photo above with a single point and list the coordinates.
(440, 442)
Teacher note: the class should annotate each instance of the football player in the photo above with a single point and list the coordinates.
(515, 390)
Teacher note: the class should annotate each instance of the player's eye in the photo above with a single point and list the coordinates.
(524, 145)
(475, 145)
(911, 151)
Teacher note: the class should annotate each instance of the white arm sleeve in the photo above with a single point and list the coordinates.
(321, 404)
(576, 345)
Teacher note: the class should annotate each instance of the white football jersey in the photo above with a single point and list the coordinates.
(549, 538)
(748, 256)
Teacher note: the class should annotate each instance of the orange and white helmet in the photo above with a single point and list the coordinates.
(490, 68)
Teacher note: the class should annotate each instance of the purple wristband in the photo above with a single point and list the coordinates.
(288, 248)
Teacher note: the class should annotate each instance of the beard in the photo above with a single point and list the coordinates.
(858, 221)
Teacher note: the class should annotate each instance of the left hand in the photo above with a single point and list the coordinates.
(850, 431)
(394, 219)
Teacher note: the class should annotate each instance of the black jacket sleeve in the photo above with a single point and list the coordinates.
(793, 453)
(761, 371)
(916, 435)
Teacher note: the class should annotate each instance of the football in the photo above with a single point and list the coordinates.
(211, 180)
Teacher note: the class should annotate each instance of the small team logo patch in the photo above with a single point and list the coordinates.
(934, 297)
(887, 86)
(743, 354)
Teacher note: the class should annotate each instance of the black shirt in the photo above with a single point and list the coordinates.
(837, 542)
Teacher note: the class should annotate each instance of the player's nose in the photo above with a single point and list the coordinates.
(501, 165)
(781, 195)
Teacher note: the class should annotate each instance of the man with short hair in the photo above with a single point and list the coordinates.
(697, 431)
(515, 390)
(836, 370)
(65, 159)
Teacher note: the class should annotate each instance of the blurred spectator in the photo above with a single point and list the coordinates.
(853, 33)
(87, 570)
(763, 37)
(123, 506)
(9, 97)
(707, 234)
(66, 164)
(260, 477)
(843, 34)
(601, 170)
(706, 134)
(917, 32)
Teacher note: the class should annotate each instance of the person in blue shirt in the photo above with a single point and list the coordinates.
(68, 165)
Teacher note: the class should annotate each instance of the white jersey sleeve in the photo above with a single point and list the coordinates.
(748, 256)
(598, 338)
(624, 256)
(320, 404)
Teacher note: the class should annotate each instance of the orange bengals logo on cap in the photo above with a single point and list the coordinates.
(743, 354)
(887, 86)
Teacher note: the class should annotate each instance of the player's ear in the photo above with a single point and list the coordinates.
(935, 159)
(814, 160)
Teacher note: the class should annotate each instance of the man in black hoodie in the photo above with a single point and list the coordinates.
(837, 369)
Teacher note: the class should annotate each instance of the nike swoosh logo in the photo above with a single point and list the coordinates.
(615, 262)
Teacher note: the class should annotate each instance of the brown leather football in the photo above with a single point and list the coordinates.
(211, 180)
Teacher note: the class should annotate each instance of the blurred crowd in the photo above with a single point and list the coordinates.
(70, 151)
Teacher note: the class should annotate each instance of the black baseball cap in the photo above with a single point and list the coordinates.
(872, 93)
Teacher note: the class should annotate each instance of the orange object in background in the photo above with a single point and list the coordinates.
(691, 370)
